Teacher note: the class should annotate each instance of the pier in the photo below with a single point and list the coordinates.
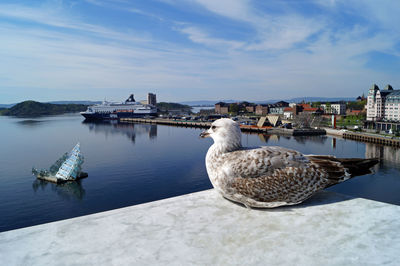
(372, 138)
(167, 122)
(245, 128)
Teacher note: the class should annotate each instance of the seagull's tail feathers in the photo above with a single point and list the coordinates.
(341, 169)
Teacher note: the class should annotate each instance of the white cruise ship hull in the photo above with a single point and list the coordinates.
(115, 116)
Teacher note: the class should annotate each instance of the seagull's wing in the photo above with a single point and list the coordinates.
(262, 161)
(275, 174)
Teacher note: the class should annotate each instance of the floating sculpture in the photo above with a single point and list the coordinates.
(67, 168)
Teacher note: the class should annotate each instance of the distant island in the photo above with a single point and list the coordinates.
(32, 108)
(9, 105)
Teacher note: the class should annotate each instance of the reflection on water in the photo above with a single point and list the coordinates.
(129, 129)
(30, 122)
(306, 139)
(264, 137)
(66, 191)
(387, 153)
(372, 150)
(300, 139)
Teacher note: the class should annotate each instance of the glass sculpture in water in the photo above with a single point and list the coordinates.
(68, 167)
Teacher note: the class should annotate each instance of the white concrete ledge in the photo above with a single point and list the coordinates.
(203, 229)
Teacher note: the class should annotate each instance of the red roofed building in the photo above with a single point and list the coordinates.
(354, 112)
(304, 105)
(317, 111)
(309, 109)
(288, 112)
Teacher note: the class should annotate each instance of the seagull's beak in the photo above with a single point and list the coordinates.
(204, 134)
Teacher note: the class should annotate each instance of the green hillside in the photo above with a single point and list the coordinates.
(32, 108)
(163, 106)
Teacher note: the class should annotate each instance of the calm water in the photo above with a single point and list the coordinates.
(132, 163)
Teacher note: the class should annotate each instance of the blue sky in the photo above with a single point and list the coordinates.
(196, 49)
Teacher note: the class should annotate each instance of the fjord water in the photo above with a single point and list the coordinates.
(135, 163)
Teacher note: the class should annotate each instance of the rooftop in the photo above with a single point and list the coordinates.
(311, 109)
(203, 228)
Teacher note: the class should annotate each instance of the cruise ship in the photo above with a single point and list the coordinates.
(127, 109)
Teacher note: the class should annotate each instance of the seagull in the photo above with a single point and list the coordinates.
(271, 176)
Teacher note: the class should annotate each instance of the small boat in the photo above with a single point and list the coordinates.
(67, 168)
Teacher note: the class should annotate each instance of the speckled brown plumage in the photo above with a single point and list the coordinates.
(270, 176)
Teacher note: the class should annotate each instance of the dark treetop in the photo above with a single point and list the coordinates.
(32, 108)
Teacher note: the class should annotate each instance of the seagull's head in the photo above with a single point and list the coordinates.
(225, 132)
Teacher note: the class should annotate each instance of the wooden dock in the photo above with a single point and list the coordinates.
(167, 122)
(245, 128)
(371, 138)
(196, 124)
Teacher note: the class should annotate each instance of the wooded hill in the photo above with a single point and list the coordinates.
(163, 106)
(32, 108)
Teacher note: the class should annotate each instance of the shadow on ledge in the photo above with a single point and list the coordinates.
(320, 198)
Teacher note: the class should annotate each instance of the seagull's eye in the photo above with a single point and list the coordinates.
(213, 127)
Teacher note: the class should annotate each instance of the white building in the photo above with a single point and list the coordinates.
(337, 108)
(288, 112)
(383, 104)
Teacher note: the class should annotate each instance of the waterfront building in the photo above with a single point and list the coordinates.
(274, 120)
(288, 112)
(262, 109)
(306, 108)
(313, 110)
(221, 108)
(334, 108)
(278, 108)
(295, 109)
(250, 108)
(383, 105)
(152, 99)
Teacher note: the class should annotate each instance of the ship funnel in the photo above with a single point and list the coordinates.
(130, 99)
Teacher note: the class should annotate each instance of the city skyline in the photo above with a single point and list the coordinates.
(196, 49)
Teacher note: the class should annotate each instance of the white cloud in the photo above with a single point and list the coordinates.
(235, 9)
(272, 31)
(199, 36)
(55, 18)
(284, 32)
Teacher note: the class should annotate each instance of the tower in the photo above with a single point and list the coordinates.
(373, 103)
(151, 99)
